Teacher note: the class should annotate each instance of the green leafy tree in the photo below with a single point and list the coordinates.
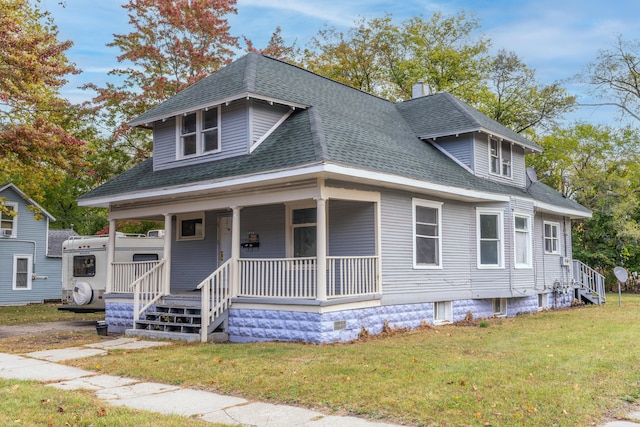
(518, 101)
(599, 167)
(386, 59)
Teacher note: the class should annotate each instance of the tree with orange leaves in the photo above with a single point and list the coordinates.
(36, 144)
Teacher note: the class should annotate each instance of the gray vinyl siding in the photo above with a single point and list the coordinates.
(234, 138)
(31, 240)
(269, 223)
(193, 260)
(461, 148)
(548, 266)
(264, 116)
(400, 281)
(518, 168)
(351, 228)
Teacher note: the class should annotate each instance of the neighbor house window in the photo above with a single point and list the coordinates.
(427, 234)
(551, 238)
(500, 157)
(499, 307)
(22, 272)
(442, 312)
(84, 266)
(199, 132)
(490, 241)
(8, 220)
(522, 227)
(190, 227)
(303, 225)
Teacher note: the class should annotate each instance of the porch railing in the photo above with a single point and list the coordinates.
(296, 277)
(215, 297)
(352, 276)
(589, 279)
(278, 278)
(125, 273)
(147, 290)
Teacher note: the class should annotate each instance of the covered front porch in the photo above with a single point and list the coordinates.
(292, 253)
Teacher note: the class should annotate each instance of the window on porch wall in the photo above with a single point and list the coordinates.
(304, 223)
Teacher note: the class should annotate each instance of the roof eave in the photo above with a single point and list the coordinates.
(534, 148)
(337, 171)
(144, 122)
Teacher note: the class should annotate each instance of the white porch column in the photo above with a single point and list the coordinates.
(168, 239)
(321, 250)
(111, 255)
(235, 251)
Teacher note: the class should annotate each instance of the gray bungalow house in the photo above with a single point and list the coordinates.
(30, 253)
(300, 209)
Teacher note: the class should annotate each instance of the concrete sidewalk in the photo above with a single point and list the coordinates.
(167, 399)
(162, 398)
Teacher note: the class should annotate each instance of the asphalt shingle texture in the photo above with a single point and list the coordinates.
(342, 125)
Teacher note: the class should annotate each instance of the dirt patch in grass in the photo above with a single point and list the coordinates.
(46, 336)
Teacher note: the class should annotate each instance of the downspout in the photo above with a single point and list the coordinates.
(35, 254)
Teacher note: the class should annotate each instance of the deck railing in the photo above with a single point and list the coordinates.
(147, 290)
(296, 277)
(215, 297)
(589, 279)
(125, 273)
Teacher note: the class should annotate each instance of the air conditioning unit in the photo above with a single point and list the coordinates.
(7, 232)
(565, 261)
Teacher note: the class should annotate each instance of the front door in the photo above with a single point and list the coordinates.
(224, 239)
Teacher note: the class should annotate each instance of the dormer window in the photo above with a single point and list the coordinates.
(199, 133)
(500, 157)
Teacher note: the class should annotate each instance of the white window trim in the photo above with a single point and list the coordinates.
(544, 237)
(290, 207)
(433, 205)
(500, 159)
(502, 312)
(529, 263)
(447, 306)
(199, 131)
(500, 214)
(187, 217)
(14, 220)
(29, 259)
(543, 302)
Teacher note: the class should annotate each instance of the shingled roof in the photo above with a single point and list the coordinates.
(332, 124)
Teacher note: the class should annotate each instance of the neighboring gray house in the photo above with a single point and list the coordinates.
(30, 267)
(302, 209)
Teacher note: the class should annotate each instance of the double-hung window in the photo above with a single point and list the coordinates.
(304, 232)
(522, 229)
(8, 220)
(427, 234)
(22, 272)
(199, 132)
(500, 157)
(551, 245)
(490, 238)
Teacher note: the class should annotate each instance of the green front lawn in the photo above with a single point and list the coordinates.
(566, 368)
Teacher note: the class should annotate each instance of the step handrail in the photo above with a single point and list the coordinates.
(147, 290)
(215, 297)
(589, 279)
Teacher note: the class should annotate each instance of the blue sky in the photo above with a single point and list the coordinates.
(557, 38)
